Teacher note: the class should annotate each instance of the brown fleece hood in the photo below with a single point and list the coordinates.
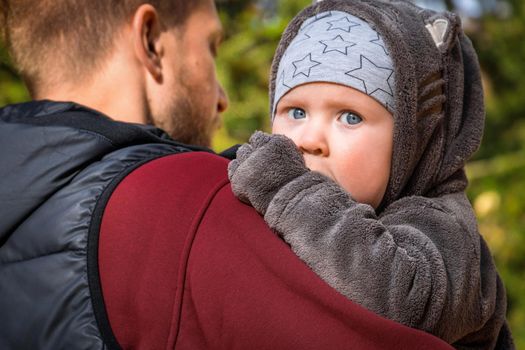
(438, 123)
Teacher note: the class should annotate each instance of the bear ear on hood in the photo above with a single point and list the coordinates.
(444, 28)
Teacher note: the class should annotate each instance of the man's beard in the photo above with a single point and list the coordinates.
(186, 120)
(190, 123)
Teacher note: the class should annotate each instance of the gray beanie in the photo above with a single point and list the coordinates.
(337, 47)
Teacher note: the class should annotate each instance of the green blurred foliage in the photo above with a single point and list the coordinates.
(11, 88)
(252, 30)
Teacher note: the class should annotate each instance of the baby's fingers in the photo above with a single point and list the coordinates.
(244, 152)
(259, 139)
(232, 168)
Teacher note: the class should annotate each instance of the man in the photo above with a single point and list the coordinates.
(114, 235)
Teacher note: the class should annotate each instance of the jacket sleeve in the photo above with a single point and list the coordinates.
(421, 262)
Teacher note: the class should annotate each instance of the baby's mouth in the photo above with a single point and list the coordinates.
(320, 169)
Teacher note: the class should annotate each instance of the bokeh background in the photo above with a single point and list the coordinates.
(496, 173)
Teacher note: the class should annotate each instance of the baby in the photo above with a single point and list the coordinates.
(380, 104)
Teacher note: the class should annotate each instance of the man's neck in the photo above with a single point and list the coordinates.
(113, 92)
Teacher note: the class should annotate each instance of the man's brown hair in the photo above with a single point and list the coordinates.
(72, 35)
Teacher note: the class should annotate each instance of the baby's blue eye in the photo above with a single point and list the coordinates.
(297, 113)
(350, 118)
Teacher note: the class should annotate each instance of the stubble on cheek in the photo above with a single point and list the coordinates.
(188, 114)
(189, 125)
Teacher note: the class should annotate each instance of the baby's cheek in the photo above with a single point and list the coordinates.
(279, 126)
(345, 177)
(359, 176)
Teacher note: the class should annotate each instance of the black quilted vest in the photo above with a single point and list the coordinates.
(59, 163)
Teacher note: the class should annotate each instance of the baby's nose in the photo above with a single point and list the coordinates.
(313, 141)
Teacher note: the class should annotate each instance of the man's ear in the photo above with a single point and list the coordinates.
(146, 29)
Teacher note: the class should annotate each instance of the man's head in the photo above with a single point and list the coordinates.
(154, 59)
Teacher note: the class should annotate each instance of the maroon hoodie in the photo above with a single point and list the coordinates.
(184, 264)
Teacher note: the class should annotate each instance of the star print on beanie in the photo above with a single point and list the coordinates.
(337, 47)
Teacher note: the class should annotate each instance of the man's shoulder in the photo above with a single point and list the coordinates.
(201, 168)
(146, 236)
(172, 187)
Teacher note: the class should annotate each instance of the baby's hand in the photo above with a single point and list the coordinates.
(263, 166)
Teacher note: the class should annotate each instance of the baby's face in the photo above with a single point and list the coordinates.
(342, 133)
